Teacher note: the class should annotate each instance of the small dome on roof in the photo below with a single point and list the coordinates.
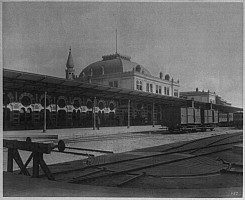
(110, 64)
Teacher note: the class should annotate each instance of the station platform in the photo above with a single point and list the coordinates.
(73, 132)
(23, 186)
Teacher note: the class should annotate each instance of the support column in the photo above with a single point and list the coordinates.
(45, 116)
(94, 124)
(56, 110)
(128, 113)
(153, 115)
(5, 116)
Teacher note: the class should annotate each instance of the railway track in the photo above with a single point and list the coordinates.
(144, 167)
(224, 144)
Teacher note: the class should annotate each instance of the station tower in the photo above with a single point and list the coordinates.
(70, 67)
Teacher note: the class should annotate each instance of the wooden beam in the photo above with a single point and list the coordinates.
(35, 170)
(33, 146)
(20, 163)
(45, 168)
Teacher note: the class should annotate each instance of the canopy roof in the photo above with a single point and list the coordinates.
(23, 81)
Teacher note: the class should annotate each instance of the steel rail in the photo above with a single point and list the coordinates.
(138, 158)
(222, 139)
(84, 149)
(150, 165)
(73, 153)
(201, 139)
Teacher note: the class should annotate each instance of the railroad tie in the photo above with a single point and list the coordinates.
(131, 179)
(75, 179)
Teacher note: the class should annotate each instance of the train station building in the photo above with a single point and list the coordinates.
(204, 96)
(116, 90)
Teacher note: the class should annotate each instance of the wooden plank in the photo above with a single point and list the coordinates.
(131, 179)
(28, 146)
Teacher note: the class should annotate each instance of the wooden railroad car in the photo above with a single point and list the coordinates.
(188, 119)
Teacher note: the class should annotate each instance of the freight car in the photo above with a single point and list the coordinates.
(189, 119)
(225, 119)
(238, 119)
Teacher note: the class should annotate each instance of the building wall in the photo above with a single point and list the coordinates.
(199, 98)
(25, 110)
(205, 97)
(129, 80)
(156, 82)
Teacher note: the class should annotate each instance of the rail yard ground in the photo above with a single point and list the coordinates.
(146, 162)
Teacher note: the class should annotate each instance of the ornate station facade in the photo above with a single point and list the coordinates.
(115, 90)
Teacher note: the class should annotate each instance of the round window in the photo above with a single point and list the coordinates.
(61, 103)
(89, 104)
(101, 105)
(112, 106)
(76, 104)
(26, 101)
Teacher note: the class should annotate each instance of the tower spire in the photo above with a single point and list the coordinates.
(69, 63)
(70, 67)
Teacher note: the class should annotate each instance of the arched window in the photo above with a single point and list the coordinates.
(139, 85)
(151, 87)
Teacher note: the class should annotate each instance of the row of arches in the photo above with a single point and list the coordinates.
(115, 114)
(28, 119)
(26, 99)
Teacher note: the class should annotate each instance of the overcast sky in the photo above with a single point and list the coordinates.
(201, 44)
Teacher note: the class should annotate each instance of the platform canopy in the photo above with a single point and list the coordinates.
(29, 82)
